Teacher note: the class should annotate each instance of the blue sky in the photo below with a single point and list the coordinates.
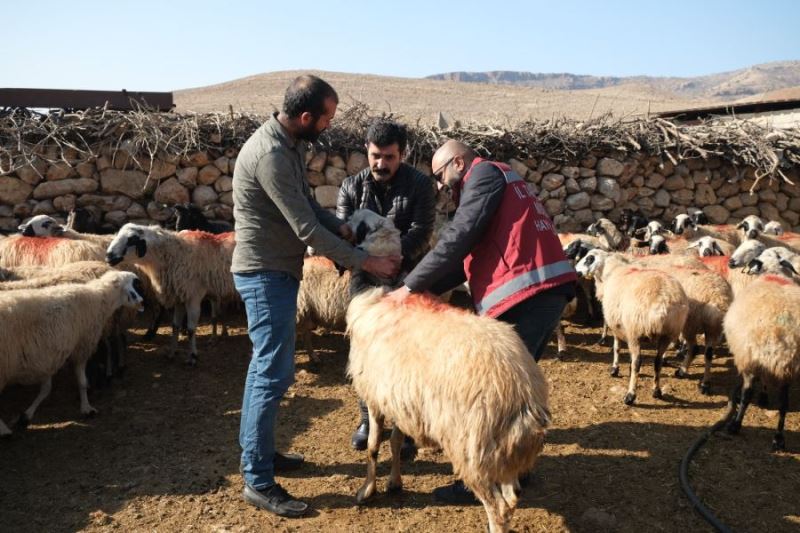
(166, 45)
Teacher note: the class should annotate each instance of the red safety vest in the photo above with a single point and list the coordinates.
(519, 255)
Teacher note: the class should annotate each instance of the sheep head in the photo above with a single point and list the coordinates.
(41, 226)
(130, 237)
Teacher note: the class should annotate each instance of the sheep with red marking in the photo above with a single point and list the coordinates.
(449, 379)
(638, 303)
(43, 328)
(767, 348)
(184, 268)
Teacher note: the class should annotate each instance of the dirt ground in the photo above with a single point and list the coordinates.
(162, 455)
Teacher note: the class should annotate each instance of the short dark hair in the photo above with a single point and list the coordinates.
(307, 94)
(383, 133)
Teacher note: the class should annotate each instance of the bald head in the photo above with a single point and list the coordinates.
(450, 150)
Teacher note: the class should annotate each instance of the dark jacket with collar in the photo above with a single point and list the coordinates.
(409, 200)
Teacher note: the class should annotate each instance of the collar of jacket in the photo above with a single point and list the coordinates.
(279, 132)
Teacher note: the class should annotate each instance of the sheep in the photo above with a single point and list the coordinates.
(191, 217)
(773, 227)
(638, 303)
(709, 297)
(707, 246)
(762, 328)
(693, 227)
(322, 299)
(325, 291)
(652, 228)
(184, 268)
(450, 379)
(630, 221)
(41, 226)
(43, 328)
(45, 250)
(752, 226)
(611, 239)
(84, 220)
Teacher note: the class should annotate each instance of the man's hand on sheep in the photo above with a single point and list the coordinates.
(384, 267)
(347, 233)
(399, 295)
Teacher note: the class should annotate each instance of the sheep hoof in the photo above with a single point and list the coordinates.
(681, 373)
(22, 422)
(614, 371)
(705, 389)
(630, 398)
(560, 355)
(394, 487)
(90, 413)
(192, 360)
(733, 427)
(365, 493)
(657, 394)
(778, 443)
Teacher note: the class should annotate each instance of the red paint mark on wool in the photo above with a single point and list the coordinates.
(780, 280)
(788, 236)
(212, 238)
(717, 263)
(37, 247)
(429, 303)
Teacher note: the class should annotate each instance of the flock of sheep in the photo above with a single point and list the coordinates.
(444, 376)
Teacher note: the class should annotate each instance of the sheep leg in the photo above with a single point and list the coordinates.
(159, 315)
(615, 364)
(635, 349)
(688, 349)
(192, 317)
(368, 489)
(509, 493)
(312, 355)
(83, 385)
(396, 442)
(661, 348)
(44, 392)
(489, 497)
(778, 442)
(705, 385)
(603, 335)
(177, 323)
(562, 341)
(735, 425)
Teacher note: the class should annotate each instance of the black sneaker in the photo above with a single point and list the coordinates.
(455, 494)
(286, 462)
(275, 500)
(359, 438)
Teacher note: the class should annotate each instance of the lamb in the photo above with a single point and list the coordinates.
(708, 246)
(768, 348)
(638, 303)
(43, 328)
(450, 379)
(752, 226)
(184, 268)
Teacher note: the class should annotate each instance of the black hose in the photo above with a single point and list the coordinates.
(683, 474)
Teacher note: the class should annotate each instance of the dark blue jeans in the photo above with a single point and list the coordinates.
(535, 319)
(270, 299)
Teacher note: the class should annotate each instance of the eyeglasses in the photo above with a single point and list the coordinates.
(440, 173)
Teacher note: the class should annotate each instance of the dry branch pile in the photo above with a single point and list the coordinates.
(26, 136)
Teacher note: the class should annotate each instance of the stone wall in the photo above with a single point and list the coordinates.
(121, 188)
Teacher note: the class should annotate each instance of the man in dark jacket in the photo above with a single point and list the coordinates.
(502, 242)
(396, 191)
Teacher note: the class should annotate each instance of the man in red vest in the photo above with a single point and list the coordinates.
(503, 243)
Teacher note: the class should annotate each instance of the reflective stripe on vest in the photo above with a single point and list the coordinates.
(523, 281)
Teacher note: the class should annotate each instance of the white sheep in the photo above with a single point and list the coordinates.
(763, 332)
(38, 277)
(41, 226)
(638, 303)
(184, 268)
(43, 328)
(453, 380)
(690, 228)
(707, 246)
(751, 226)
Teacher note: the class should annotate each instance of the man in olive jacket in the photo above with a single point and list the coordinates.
(401, 193)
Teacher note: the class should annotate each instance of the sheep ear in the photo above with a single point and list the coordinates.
(695, 244)
(753, 267)
(788, 266)
(740, 225)
(361, 232)
(27, 230)
(715, 246)
(640, 232)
